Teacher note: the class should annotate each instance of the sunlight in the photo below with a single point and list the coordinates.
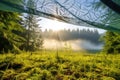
(56, 26)
(52, 24)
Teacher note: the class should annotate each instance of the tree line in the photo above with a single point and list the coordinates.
(67, 34)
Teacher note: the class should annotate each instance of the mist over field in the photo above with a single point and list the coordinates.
(73, 44)
(84, 39)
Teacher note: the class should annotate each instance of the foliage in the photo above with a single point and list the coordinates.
(112, 42)
(14, 36)
(10, 31)
(44, 65)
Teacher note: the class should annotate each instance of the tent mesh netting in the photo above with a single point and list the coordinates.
(90, 13)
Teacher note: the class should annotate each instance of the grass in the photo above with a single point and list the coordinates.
(66, 65)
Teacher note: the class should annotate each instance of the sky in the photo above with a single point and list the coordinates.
(56, 25)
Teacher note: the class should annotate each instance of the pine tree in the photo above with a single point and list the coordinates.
(112, 43)
(34, 40)
(10, 31)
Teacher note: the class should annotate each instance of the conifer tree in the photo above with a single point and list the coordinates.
(34, 40)
(10, 31)
(112, 42)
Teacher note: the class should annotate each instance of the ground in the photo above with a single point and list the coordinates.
(59, 65)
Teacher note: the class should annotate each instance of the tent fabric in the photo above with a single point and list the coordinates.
(89, 13)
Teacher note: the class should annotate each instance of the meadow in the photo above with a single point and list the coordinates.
(59, 65)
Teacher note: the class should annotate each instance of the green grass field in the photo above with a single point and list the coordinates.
(64, 65)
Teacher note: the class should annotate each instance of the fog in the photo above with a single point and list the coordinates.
(72, 44)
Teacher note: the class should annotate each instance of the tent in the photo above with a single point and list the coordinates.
(104, 14)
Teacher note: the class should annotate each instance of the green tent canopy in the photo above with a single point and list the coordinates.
(90, 13)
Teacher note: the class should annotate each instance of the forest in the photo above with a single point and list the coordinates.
(77, 34)
(23, 56)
